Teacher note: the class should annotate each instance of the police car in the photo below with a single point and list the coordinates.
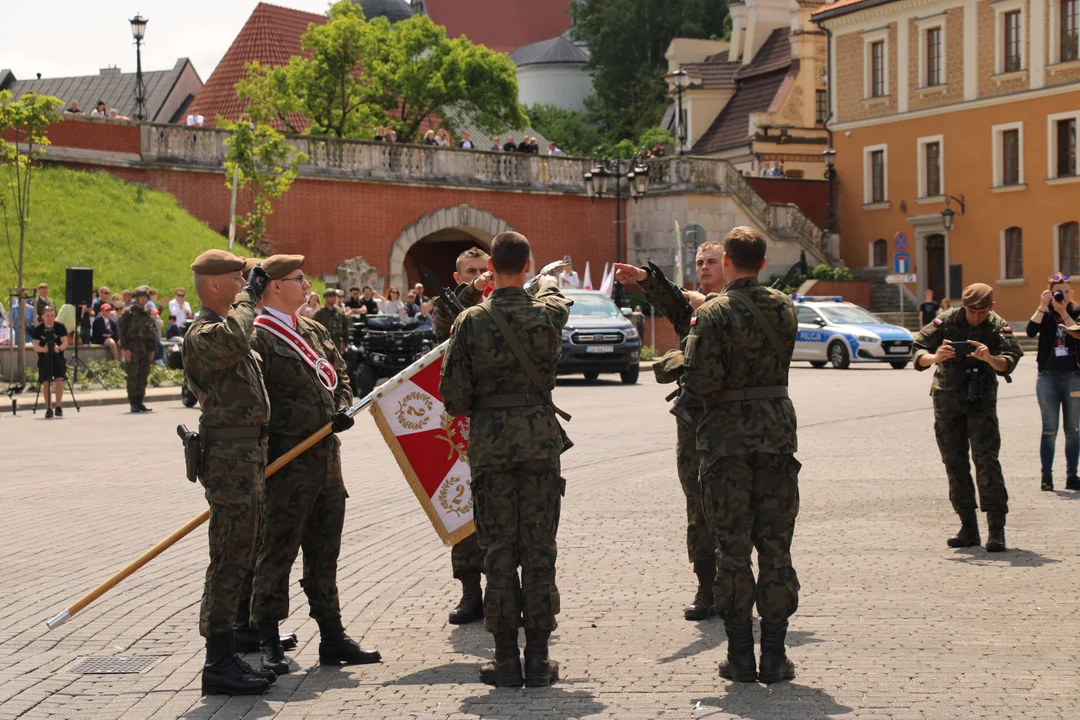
(838, 332)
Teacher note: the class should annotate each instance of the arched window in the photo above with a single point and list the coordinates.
(879, 254)
(1014, 253)
(1069, 248)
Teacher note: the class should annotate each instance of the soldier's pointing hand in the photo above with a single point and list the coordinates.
(629, 273)
(695, 299)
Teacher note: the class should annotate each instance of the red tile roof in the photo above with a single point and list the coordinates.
(271, 35)
(503, 25)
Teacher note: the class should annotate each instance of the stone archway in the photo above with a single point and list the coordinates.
(478, 224)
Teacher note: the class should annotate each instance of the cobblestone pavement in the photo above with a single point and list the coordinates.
(892, 623)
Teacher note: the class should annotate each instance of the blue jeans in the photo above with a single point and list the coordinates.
(1057, 389)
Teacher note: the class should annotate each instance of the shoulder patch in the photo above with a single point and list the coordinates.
(1006, 329)
(693, 321)
(937, 321)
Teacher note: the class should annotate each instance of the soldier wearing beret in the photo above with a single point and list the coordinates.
(332, 317)
(225, 374)
(965, 407)
(738, 355)
(700, 545)
(304, 506)
(139, 335)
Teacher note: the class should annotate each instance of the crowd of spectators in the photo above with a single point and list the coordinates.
(365, 301)
(99, 111)
(442, 138)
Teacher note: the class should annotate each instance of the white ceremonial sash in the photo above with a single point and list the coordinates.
(323, 368)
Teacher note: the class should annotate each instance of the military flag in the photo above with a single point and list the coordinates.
(429, 445)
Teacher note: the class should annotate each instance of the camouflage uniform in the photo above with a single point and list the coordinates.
(513, 451)
(226, 375)
(466, 556)
(139, 334)
(336, 324)
(959, 424)
(304, 503)
(749, 475)
(700, 546)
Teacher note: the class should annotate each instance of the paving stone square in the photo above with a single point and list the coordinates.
(891, 623)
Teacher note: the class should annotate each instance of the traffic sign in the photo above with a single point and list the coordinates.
(900, 239)
(900, 263)
(900, 278)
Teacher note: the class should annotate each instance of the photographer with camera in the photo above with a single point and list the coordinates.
(971, 347)
(1058, 384)
(50, 342)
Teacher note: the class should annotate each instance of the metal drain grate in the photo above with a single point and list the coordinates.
(115, 664)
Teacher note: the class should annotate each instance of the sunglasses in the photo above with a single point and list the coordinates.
(1059, 278)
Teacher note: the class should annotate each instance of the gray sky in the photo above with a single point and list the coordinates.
(63, 38)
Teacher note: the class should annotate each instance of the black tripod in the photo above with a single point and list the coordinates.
(77, 363)
(51, 342)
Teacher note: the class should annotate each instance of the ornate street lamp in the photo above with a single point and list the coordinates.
(598, 181)
(138, 31)
(829, 154)
(681, 81)
(948, 214)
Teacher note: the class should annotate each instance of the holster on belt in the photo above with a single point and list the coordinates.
(193, 454)
(684, 401)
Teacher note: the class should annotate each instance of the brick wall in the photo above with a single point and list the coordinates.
(812, 196)
(953, 47)
(96, 134)
(666, 339)
(989, 84)
(849, 59)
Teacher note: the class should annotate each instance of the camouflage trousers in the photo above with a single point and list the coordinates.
(751, 502)
(700, 545)
(957, 428)
(234, 492)
(517, 518)
(304, 508)
(466, 556)
(138, 370)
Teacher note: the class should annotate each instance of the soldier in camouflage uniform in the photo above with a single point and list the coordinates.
(466, 557)
(737, 360)
(700, 545)
(965, 408)
(332, 317)
(501, 378)
(225, 375)
(305, 501)
(139, 335)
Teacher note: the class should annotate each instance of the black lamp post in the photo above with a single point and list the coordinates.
(138, 30)
(829, 155)
(948, 213)
(680, 83)
(597, 183)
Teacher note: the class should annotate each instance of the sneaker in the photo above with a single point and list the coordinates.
(59, 412)
(1048, 483)
(1072, 482)
(48, 413)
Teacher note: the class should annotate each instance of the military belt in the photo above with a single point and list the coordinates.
(764, 392)
(254, 432)
(511, 400)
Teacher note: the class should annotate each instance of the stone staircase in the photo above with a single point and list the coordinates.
(885, 298)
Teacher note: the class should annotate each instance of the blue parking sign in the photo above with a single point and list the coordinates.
(901, 261)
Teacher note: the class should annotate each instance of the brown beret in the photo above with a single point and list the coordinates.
(978, 296)
(217, 262)
(278, 266)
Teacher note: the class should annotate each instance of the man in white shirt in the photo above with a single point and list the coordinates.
(180, 307)
(569, 278)
(195, 119)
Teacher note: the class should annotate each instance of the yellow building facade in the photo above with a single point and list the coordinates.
(967, 105)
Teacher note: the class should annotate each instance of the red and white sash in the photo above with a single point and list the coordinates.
(323, 368)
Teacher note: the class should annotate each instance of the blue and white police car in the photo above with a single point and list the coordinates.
(838, 332)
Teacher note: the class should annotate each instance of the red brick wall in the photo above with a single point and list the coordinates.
(106, 135)
(852, 291)
(666, 339)
(810, 195)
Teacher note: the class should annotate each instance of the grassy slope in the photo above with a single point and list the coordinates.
(129, 235)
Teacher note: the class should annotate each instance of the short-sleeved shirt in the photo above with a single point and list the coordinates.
(928, 311)
(39, 334)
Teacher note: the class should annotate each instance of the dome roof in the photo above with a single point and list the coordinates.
(392, 10)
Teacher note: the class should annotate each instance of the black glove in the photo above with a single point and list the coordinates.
(342, 421)
(257, 281)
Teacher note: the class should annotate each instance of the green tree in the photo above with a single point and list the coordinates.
(262, 161)
(25, 121)
(572, 130)
(627, 40)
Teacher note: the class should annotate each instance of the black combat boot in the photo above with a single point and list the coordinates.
(273, 655)
(142, 405)
(540, 670)
(246, 638)
(505, 669)
(741, 665)
(135, 409)
(335, 647)
(995, 536)
(968, 534)
(703, 607)
(1048, 482)
(223, 674)
(1072, 482)
(471, 606)
(775, 666)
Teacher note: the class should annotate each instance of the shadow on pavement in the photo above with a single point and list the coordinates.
(752, 701)
(712, 635)
(465, 672)
(472, 639)
(1067, 494)
(1013, 557)
(550, 703)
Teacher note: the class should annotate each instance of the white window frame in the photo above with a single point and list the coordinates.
(869, 38)
(1003, 278)
(1000, 8)
(868, 174)
(998, 142)
(924, 25)
(1051, 143)
(920, 145)
(1054, 22)
(870, 254)
(1057, 245)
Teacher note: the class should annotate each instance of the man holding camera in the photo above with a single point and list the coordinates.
(50, 342)
(971, 347)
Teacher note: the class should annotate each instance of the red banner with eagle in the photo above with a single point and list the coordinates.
(429, 445)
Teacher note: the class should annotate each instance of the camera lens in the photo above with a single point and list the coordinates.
(1059, 296)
